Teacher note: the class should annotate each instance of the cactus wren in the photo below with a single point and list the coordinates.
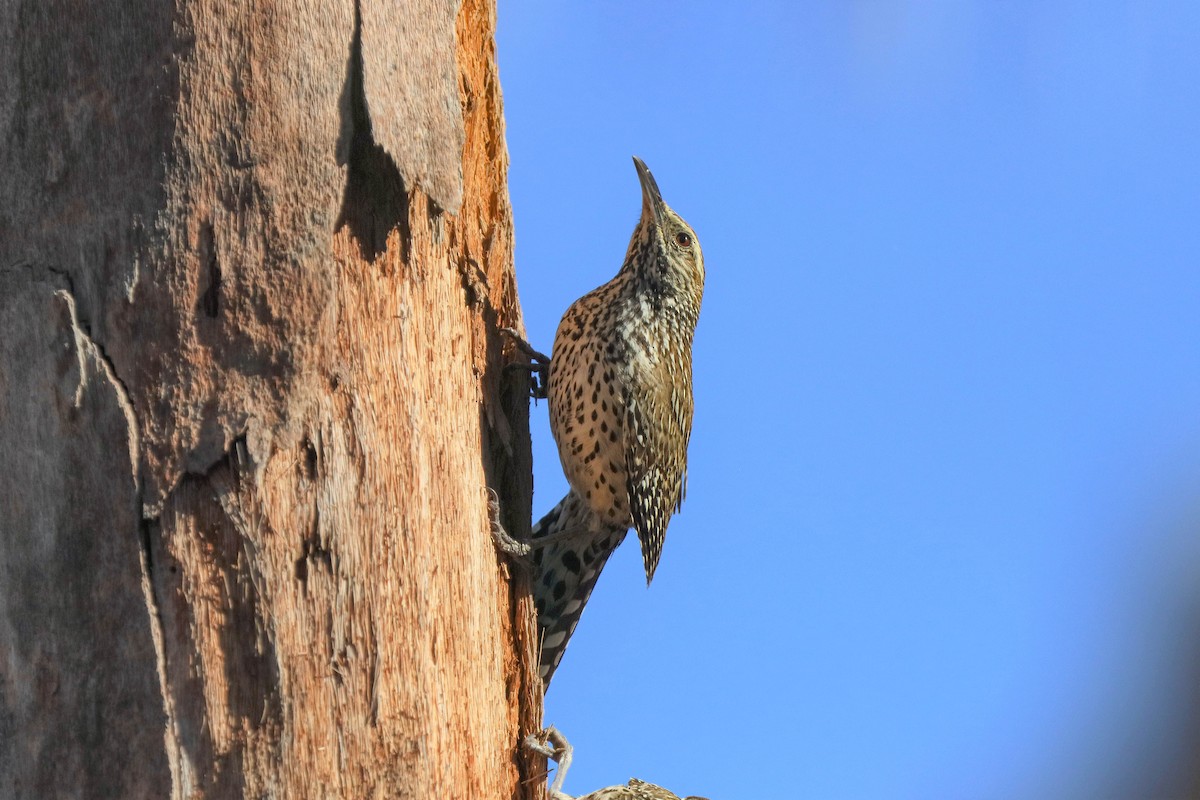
(635, 790)
(620, 396)
(553, 745)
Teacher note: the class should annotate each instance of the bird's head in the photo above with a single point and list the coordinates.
(664, 253)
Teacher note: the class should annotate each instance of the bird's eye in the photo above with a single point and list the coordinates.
(683, 239)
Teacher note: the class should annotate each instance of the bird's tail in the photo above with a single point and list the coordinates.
(566, 572)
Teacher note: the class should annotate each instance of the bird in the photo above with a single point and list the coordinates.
(619, 390)
(551, 743)
(635, 790)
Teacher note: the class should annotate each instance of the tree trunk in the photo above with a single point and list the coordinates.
(253, 259)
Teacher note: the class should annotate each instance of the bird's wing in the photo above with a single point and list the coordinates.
(658, 421)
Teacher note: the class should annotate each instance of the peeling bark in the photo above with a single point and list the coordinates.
(252, 265)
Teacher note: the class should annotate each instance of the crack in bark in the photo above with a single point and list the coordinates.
(210, 272)
(86, 345)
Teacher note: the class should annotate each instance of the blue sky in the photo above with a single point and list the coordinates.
(940, 535)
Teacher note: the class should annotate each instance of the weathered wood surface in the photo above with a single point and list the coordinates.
(252, 263)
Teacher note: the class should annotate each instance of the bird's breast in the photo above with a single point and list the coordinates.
(587, 418)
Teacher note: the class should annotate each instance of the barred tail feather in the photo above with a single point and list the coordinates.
(566, 573)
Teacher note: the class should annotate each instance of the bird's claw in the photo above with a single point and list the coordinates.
(532, 742)
(550, 743)
(504, 541)
(536, 363)
(525, 347)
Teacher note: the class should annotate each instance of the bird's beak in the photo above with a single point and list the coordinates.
(652, 201)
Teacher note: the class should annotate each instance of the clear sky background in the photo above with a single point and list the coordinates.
(941, 534)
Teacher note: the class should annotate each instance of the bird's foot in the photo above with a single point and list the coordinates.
(550, 743)
(504, 541)
(537, 364)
